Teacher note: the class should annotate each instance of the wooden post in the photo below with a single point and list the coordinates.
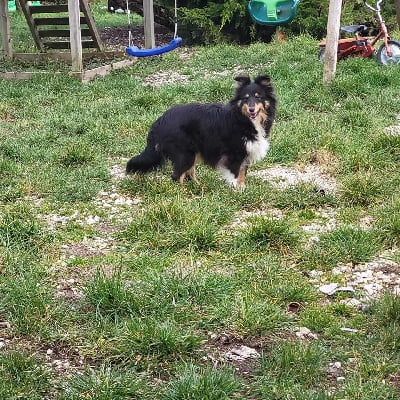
(75, 36)
(332, 38)
(397, 6)
(148, 20)
(5, 31)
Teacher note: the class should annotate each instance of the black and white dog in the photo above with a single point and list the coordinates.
(227, 137)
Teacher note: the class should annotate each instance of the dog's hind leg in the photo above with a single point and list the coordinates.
(183, 166)
(191, 174)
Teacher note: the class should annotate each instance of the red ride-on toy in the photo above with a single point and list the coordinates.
(362, 46)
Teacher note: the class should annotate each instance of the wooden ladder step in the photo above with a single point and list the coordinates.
(86, 44)
(56, 21)
(49, 9)
(60, 33)
(35, 18)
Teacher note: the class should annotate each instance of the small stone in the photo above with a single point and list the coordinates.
(242, 353)
(329, 289)
(315, 274)
(372, 288)
(337, 364)
(335, 368)
(305, 333)
(91, 220)
(345, 329)
(351, 302)
(366, 274)
(345, 289)
(337, 271)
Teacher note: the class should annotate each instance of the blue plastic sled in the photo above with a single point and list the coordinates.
(273, 12)
(136, 52)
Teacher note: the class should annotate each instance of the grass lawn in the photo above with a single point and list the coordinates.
(115, 287)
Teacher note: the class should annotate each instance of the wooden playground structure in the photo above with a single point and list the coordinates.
(75, 33)
(68, 29)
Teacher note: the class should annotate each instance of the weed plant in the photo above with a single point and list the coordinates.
(115, 287)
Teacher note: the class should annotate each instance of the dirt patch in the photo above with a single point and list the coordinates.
(284, 177)
(395, 381)
(242, 354)
(117, 38)
(393, 130)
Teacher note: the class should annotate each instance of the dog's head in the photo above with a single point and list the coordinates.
(256, 98)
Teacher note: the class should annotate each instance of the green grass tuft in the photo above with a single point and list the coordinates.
(200, 383)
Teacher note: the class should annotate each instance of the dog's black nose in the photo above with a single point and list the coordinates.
(251, 109)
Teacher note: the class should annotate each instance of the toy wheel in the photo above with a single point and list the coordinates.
(383, 57)
(321, 54)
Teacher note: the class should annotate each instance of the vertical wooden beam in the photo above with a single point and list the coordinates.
(75, 36)
(397, 7)
(5, 31)
(332, 38)
(148, 20)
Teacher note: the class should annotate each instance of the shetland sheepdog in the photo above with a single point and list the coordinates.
(227, 137)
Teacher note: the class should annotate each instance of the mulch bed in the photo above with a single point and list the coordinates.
(117, 38)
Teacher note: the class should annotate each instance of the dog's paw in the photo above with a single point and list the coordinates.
(240, 188)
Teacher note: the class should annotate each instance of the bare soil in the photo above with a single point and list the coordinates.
(117, 38)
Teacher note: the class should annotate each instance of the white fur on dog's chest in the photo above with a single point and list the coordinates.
(257, 149)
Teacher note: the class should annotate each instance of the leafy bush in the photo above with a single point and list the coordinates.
(205, 22)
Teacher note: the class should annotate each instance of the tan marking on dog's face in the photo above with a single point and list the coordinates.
(263, 116)
(258, 111)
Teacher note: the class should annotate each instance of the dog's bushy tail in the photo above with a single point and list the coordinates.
(149, 159)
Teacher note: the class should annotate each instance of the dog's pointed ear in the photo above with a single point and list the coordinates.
(263, 80)
(242, 80)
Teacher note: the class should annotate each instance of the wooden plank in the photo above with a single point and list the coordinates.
(91, 24)
(61, 33)
(63, 56)
(148, 21)
(17, 75)
(332, 38)
(83, 76)
(5, 32)
(56, 21)
(32, 57)
(24, 75)
(31, 24)
(89, 75)
(75, 37)
(49, 9)
(85, 44)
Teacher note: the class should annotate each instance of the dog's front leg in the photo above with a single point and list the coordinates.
(242, 176)
(234, 175)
